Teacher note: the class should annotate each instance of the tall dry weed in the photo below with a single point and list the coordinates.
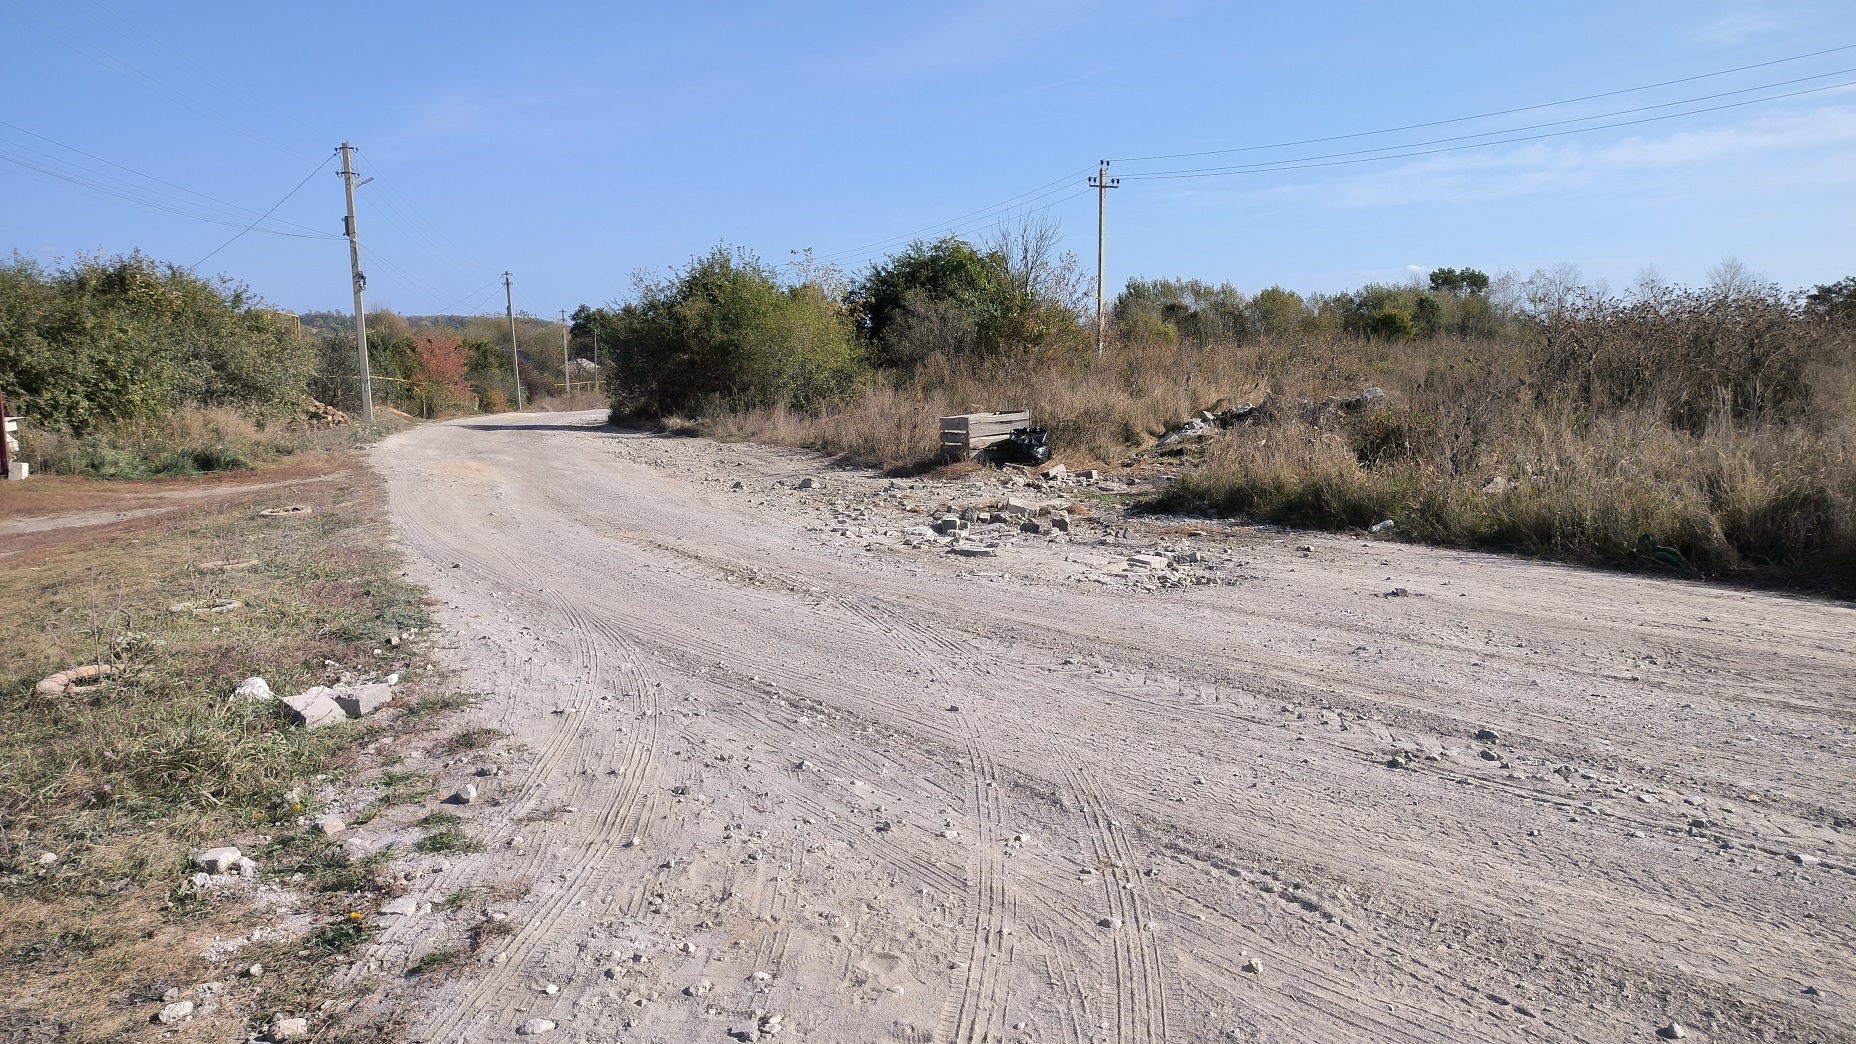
(1721, 426)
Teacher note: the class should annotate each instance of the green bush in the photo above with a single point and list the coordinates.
(127, 338)
(726, 330)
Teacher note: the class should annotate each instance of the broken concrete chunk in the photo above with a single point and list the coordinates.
(404, 906)
(313, 708)
(329, 826)
(254, 689)
(288, 1029)
(357, 700)
(218, 860)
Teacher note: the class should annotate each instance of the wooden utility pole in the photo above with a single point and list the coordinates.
(360, 287)
(1102, 183)
(515, 358)
(567, 371)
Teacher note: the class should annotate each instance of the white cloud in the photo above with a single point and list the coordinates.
(1815, 147)
(1738, 24)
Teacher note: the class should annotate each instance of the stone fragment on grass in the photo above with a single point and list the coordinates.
(177, 1012)
(254, 689)
(329, 826)
(359, 700)
(288, 1029)
(313, 708)
(218, 860)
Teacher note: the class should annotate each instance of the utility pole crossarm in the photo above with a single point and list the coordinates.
(1102, 183)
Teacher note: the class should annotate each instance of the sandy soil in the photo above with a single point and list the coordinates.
(49, 504)
(765, 759)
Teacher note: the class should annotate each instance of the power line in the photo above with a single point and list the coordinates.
(75, 179)
(266, 214)
(1341, 159)
(1492, 115)
(151, 83)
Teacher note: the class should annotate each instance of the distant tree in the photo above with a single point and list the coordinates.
(725, 329)
(1428, 316)
(439, 382)
(1734, 279)
(1194, 310)
(1276, 312)
(951, 271)
(1834, 301)
(1459, 282)
(1391, 324)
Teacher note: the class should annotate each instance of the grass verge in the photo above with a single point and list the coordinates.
(104, 794)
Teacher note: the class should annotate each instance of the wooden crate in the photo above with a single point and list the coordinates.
(967, 434)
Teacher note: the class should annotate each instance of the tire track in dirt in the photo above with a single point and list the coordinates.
(1140, 986)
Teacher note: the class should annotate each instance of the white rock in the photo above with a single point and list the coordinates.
(289, 1029)
(534, 1027)
(47, 858)
(218, 860)
(1110, 922)
(404, 906)
(1803, 859)
(329, 826)
(1253, 966)
(179, 1011)
(254, 689)
(465, 794)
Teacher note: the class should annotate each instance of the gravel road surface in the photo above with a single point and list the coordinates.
(780, 767)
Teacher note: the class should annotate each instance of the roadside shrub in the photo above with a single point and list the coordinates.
(726, 332)
(127, 339)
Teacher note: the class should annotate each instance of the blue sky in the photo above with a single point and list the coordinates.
(576, 143)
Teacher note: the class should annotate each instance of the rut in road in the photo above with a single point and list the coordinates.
(765, 704)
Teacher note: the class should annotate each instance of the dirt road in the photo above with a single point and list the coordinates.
(773, 770)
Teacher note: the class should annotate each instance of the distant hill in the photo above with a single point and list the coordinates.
(343, 322)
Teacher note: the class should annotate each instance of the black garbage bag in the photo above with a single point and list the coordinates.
(1025, 446)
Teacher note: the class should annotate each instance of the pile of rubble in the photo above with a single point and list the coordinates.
(323, 414)
(321, 705)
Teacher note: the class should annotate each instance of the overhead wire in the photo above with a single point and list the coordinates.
(228, 206)
(202, 73)
(1492, 115)
(1350, 158)
(149, 82)
(241, 232)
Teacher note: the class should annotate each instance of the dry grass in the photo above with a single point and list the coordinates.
(1724, 429)
(188, 442)
(121, 783)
